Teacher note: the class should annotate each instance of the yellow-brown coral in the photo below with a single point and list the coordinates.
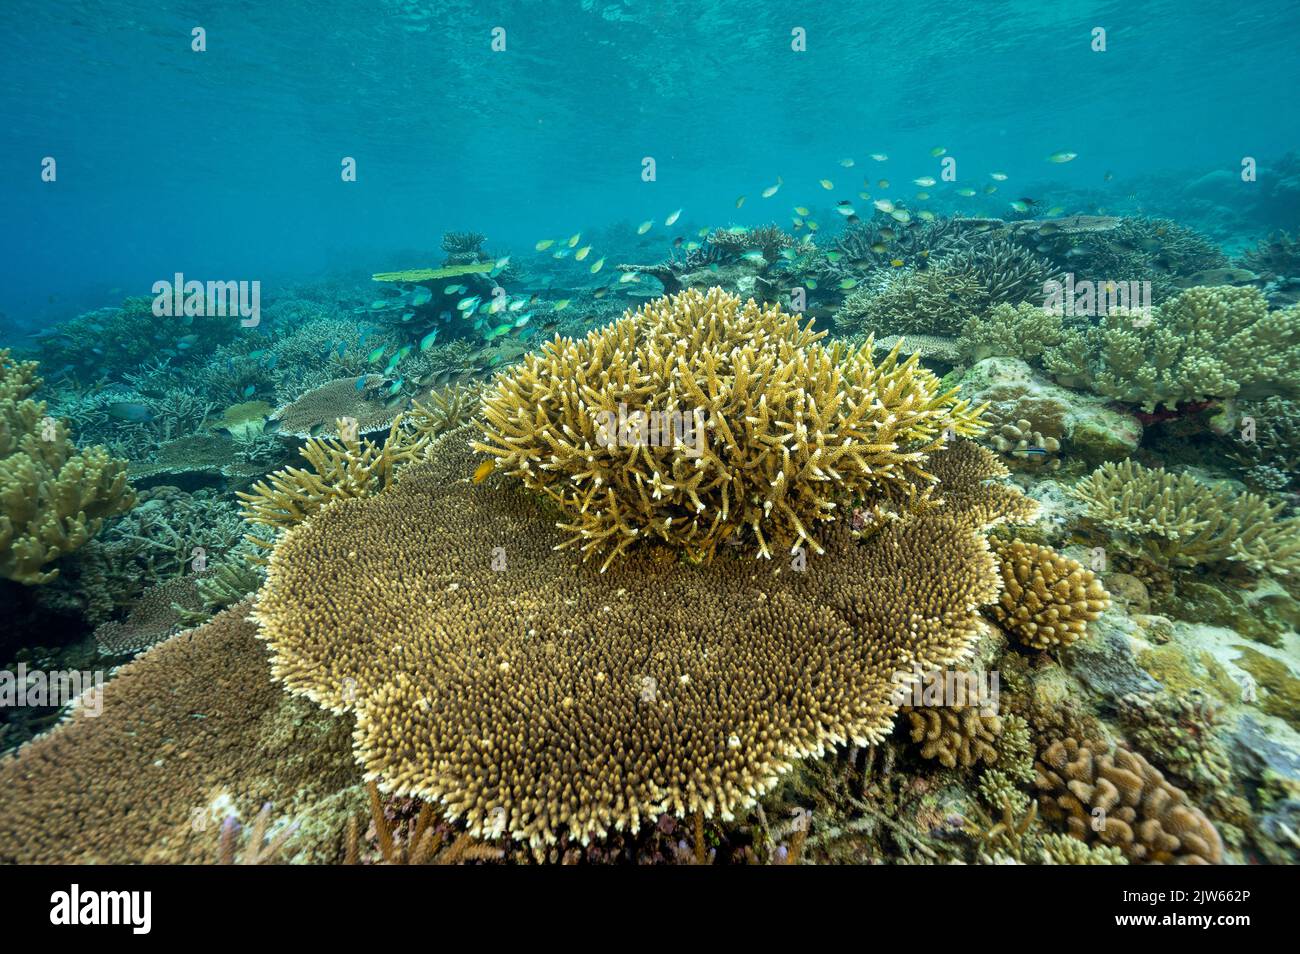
(530, 694)
(955, 735)
(777, 431)
(1118, 798)
(316, 413)
(1047, 599)
(53, 497)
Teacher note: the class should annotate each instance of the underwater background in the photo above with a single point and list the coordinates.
(434, 218)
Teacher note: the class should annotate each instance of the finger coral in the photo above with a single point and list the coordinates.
(696, 419)
(955, 735)
(1115, 797)
(1177, 520)
(1047, 599)
(528, 693)
(53, 497)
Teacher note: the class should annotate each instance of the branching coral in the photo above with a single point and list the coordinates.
(53, 497)
(1117, 798)
(936, 301)
(1047, 599)
(315, 413)
(1022, 331)
(1179, 521)
(767, 431)
(768, 240)
(1007, 272)
(1205, 343)
(530, 694)
(1276, 256)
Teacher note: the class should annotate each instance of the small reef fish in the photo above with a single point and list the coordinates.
(483, 470)
(826, 184)
(938, 151)
(131, 411)
(897, 263)
(879, 156)
(427, 341)
(1062, 156)
(250, 391)
(901, 215)
(847, 163)
(802, 210)
(574, 239)
(967, 192)
(645, 227)
(1019, 205)
(845, 209)
(562, 304)
(848, 283)
(454, 290)
(468, 304)
(598, 265)
(883, 184)
(884, 205)
(544, 244)
(582, 253)
(421, 296)
(922, 196)
(740, 200)
(667, 222)
(375, 355)
(772, 189)
(925, 181)
(999, 176)
(755, 257)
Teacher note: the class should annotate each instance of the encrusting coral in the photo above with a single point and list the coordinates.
(1117, 798)
(696, 419)
(1047, 599)
(1179, 521)
(53, 497)
(530, 694)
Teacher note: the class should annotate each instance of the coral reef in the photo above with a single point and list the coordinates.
(1021, 331)
(1179, 521)
(774, 432)
(1117, 798)
(1047, 599)
(53, 497)
(314, 414)
(1203, 343)
(532, 694)
(955, 735)
(767, 240)
(158, 614)
(1005, 271)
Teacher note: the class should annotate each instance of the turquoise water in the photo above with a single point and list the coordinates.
(227, 162)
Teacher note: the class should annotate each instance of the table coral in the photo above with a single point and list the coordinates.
(528, 693)
(53, 497)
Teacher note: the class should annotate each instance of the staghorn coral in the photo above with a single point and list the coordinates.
(1176, 520)
(1204, 343)
(955, 735)
(777, 432)
(1141, 813)
(528, 693)
(1047, 599)
(1277, 256)
(1005, 271)
(53, 497)
(189, 733)
(936, 301)
(1021, 331)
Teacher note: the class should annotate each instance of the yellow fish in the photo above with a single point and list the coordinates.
(883, 183)
(544, 244)
(573, 239)
(771, 190)
(644, 227)
(482, 471)
(600, 263)
(802, 210)
(897, 263)
(827, 184)
(673, 218)
(562, 304)
(582, 253)
(922, 196)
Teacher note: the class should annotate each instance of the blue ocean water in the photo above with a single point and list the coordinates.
(227, 162)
